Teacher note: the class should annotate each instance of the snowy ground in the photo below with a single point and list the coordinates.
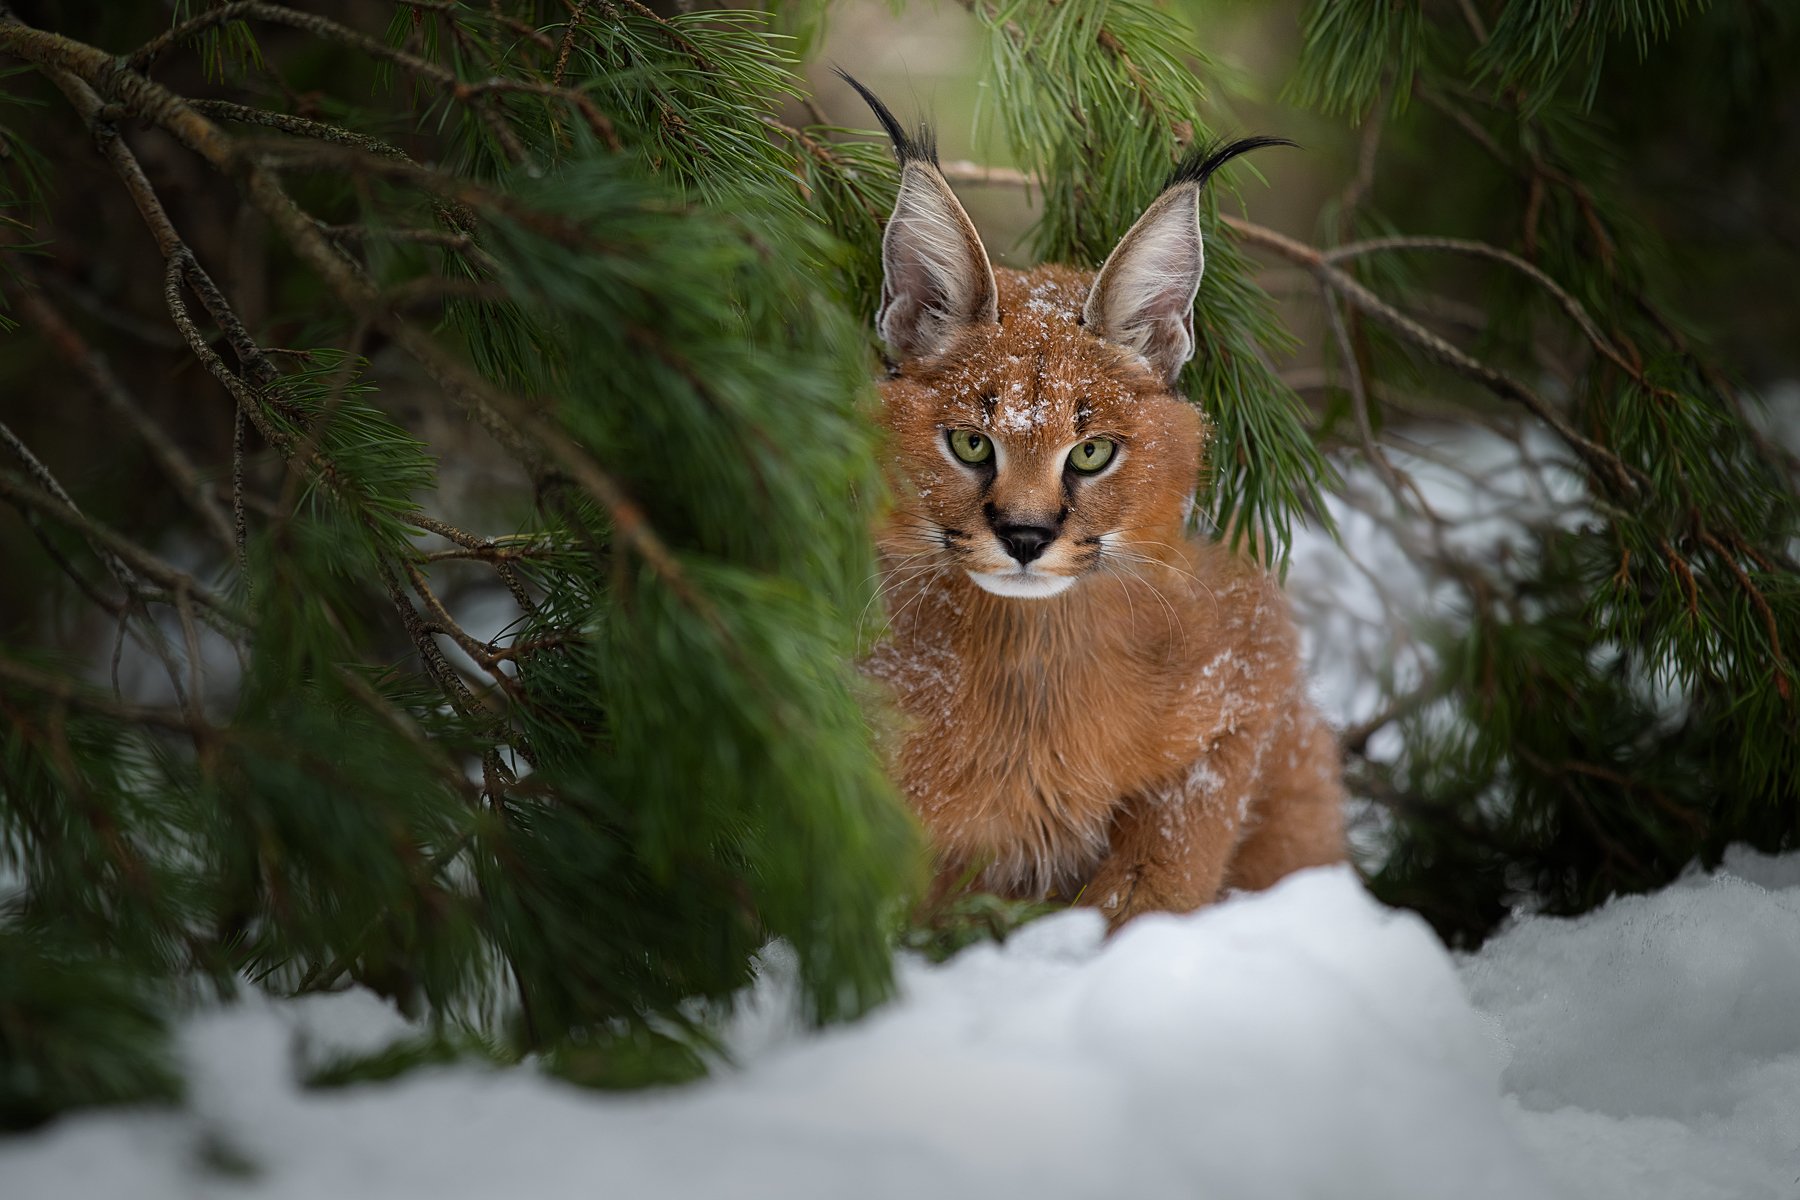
(1300, 1043)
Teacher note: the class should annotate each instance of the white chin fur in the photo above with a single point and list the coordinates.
(1021, 586)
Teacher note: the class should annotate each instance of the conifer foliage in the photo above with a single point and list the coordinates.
(1619, 694)
(580, 230)
(576, 243)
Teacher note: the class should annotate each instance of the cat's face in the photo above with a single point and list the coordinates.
(1031, 453)
(1032, 419)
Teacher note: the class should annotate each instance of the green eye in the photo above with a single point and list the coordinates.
(973, 448)
(1091, 455)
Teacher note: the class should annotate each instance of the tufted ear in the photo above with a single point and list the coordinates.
(935, 273)
(1143, 297)
(935, 276)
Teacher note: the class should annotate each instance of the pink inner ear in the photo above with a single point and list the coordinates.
(936, 276)
(1143, 298)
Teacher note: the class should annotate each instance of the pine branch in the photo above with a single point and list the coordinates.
(64, 691)
(460, 90)
(1608, 468)
(574, 295)
(1568, 303)
(243, 114)
(450, 8)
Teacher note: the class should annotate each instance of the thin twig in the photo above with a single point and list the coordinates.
(243, 114)
(1761, 603)
(568, 43)
(536, 36)
(1568, 303)
(48, 481)
(101, 542)
(1355, 739)
(436, 665)
(130, 324)
(1359, 399)
(240, 525)
(114, 546)
(1606, 465)
(249, 400)
(964, 171)
(1474, 19)
(1368, 147)
(70, 346)
(191, 641)
(475, 648)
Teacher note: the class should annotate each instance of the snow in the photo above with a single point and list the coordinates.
(1304, 1042)
(1655, 1046)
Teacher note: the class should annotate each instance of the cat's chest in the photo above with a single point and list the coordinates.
(1030, 709)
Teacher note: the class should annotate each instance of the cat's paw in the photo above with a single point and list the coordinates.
(1115, 892)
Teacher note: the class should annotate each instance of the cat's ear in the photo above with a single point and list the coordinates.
(1143, 298)
(935, 277)
(935, 273)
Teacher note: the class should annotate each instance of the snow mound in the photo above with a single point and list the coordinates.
(1303, 1042)
(1290, 1044)
(1655, 1044)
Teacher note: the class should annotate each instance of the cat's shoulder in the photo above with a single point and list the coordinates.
(1241, 592)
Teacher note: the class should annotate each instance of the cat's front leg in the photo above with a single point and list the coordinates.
(1169, 847)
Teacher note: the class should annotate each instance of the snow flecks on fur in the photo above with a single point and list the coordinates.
(1204, 781)
(1015, 414)
(927, 667)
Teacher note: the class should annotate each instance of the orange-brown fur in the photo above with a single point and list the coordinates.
(1141, 739)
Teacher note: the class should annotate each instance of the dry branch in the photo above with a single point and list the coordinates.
(112, 545)
(1568, 303)
(1608, 468)
(74, 350)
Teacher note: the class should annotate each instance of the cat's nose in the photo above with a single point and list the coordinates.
(1025, 542)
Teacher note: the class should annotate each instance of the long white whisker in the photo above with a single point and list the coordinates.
(894, 583)
(895, 618)
(901, 564)
(1174, 625)
(1123, 549)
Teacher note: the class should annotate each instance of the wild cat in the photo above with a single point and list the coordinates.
(1095, 706)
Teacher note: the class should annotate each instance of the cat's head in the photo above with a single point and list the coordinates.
(1033, 416)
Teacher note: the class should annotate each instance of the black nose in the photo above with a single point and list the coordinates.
(1025, 542)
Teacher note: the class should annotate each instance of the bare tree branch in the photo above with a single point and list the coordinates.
(111, 545)
(1568, 303)
(1607, 466)
(69, 344)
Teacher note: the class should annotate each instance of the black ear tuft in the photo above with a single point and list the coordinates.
(921, 147)
(1207, 157)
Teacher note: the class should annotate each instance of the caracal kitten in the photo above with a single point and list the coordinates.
(1095, 705)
